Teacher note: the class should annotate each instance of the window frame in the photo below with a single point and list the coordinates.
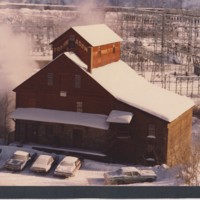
(114, 49)
(63, 93)
(50, 78)
(99, 51)
(79, 106)
(77, 81)
(151, 130)
(72, 42)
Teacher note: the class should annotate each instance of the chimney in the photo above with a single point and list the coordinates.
(90, 63)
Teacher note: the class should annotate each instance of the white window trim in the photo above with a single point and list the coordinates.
(79, 106)
(63, 94)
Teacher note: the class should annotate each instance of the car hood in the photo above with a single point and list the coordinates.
(68, 169)
(38, 165)
(14, 162)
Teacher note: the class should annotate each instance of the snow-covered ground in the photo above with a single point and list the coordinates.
(90, 174)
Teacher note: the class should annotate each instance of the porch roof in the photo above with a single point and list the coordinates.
(117, 116)
(62, 117)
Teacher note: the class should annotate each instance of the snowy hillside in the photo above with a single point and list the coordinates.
(191, 4)
(125, 3)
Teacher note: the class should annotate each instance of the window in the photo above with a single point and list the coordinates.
(63, 93)
(99, 52)
(123, 128)
(128, 173)
(49, 134)
(151, 131)
(79, 106)
(114, 48)
(123, 131)
(50, 79)
(77, 81)
(50, 161)
(135, 174)
(71, 41)
(151, 143)
(77, 137)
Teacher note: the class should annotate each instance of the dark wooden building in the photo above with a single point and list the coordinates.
(87, 98)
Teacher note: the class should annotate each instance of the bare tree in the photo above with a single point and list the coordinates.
(190, 171)
(6, 107)
(187, 157)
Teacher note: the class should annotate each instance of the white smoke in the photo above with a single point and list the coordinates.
(90, 12)
(15, 63)
(15, 67)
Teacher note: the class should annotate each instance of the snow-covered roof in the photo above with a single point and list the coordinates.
(98, 34)
(62, 117)
(70, 159)
(43, 158)
(127, 86)
(129, 169)
(22, 153)
(117, 116)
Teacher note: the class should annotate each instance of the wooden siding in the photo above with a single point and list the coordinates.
(61, 135)
(179, 139)
(139, 133)
(61, 45)
(35, 92)
(105, 54)
(98, 56)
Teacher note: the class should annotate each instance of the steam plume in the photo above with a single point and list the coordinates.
(15, 62)
(90, 12)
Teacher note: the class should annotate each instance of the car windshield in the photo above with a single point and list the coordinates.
(65, 163)
(43, 160)
(19, 157)
(119, 171)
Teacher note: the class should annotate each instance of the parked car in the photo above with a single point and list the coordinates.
(19, 160)
(127, 175)
(68, 166)
(43, 163)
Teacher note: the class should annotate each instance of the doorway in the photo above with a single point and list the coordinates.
(77, 138)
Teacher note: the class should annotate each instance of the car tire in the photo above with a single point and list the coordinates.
(150, 180)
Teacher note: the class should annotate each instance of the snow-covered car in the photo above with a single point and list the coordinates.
(68, 166)
(127, 175)
(43, 163)
(19, 160)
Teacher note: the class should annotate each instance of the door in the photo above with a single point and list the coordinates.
(77, 138)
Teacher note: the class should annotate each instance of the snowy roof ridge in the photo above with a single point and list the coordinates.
(128, 87)
(97, 34)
